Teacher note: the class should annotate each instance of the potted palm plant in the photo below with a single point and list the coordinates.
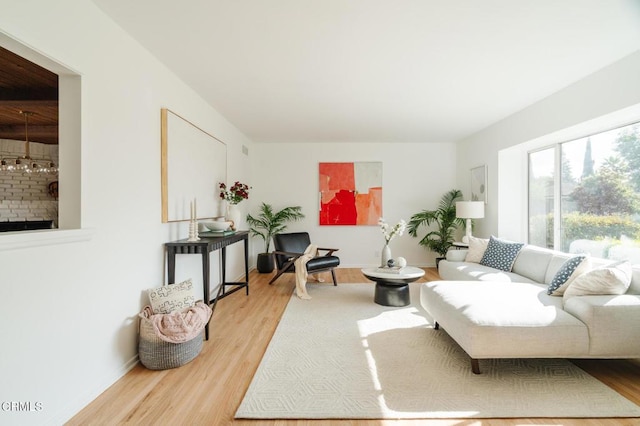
(267, 224)
(444, 217)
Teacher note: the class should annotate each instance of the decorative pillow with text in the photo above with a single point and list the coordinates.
(172, 297)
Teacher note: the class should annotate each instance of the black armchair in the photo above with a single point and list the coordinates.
(289, 247)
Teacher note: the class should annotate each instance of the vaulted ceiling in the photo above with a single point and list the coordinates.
(378, 70)
(25, 86)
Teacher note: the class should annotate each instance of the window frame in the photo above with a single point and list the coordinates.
(557, 169)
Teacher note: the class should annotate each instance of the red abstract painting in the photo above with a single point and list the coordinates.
(350, 193)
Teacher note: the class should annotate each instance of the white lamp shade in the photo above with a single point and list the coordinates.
(470, 209)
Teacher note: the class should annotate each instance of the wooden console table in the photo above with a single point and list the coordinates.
(205, 246)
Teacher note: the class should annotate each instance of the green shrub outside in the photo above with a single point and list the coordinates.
(578, 226)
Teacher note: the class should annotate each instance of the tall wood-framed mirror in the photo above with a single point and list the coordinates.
(193, 163)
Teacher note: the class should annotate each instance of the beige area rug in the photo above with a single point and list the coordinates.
(340, 355)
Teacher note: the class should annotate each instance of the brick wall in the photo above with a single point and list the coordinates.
(26, 196)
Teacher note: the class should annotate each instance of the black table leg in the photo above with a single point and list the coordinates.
(246, 264)
(171, 265)
(206, 287)
(223, 267)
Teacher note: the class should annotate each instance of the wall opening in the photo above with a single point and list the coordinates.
(52, 197)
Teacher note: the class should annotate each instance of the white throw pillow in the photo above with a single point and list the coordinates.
(477, 247)
(172, 297)
(611, 279)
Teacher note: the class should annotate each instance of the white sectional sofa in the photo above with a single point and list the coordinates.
(497, 314)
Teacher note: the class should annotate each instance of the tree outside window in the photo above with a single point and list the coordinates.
(599, 196)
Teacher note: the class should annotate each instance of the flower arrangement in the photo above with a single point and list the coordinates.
(235, 194)
(391, 233)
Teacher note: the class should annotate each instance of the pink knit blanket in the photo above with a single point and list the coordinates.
(179, 326)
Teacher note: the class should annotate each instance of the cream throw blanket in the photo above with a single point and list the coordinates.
(301, 271)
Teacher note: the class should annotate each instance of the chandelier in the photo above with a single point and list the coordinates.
(26, 164)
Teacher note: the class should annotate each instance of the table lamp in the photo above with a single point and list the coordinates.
(469, 210)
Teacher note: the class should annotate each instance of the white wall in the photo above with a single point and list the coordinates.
(600, 101)
(415, 176)
(69, 310)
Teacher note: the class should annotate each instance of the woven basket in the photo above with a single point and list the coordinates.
(156, 354)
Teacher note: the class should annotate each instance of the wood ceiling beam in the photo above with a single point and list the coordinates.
(27, 104)
(44, 94)
(25, 86)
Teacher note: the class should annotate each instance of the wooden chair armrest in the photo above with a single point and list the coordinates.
(288, 253)
(294, 256)
(329, 250)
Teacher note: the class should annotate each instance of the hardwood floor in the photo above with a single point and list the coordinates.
(208, 390)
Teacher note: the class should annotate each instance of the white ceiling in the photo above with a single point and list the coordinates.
(378, 70)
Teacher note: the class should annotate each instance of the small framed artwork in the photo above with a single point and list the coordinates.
(479, 184)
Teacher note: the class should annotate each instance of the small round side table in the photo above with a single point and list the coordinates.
(392, 288)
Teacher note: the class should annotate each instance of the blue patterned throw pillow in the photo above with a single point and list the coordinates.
(500, 254)
(569, 270)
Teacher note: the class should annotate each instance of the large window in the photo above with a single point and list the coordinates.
(584, 195)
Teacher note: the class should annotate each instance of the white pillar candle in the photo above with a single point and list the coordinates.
(195, 209)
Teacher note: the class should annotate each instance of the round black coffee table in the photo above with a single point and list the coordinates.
(392, 289)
